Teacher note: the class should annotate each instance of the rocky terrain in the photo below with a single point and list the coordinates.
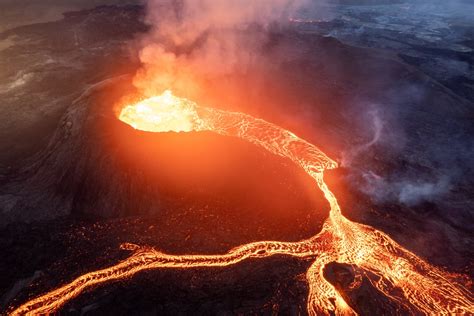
(396, 112)
(45, 67)
(434, 36)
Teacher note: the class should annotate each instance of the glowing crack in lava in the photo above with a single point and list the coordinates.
(399, 274)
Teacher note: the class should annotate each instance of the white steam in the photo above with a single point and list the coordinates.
(411, 193)
(376, 126)
(408, 191)
(405, 188)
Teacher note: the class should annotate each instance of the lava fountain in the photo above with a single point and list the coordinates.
(396, 272)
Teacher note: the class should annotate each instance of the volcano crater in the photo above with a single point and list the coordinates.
(204, 192)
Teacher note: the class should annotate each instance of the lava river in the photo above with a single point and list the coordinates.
(396, 272)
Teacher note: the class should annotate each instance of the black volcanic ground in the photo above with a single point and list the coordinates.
(75, 182)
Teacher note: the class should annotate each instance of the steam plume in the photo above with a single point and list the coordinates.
(195, 40)
(377, 124)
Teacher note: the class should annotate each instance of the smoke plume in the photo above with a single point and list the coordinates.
(192, 41)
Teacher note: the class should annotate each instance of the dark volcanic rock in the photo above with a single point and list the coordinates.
(46, 66)
(357, 288)
(64, 249)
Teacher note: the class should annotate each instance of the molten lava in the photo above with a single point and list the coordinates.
(163, 113)
(399, 274)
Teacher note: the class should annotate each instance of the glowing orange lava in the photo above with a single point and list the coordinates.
(400, 274)
(162, 113)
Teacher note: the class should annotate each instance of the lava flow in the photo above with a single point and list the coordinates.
(396, 272)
